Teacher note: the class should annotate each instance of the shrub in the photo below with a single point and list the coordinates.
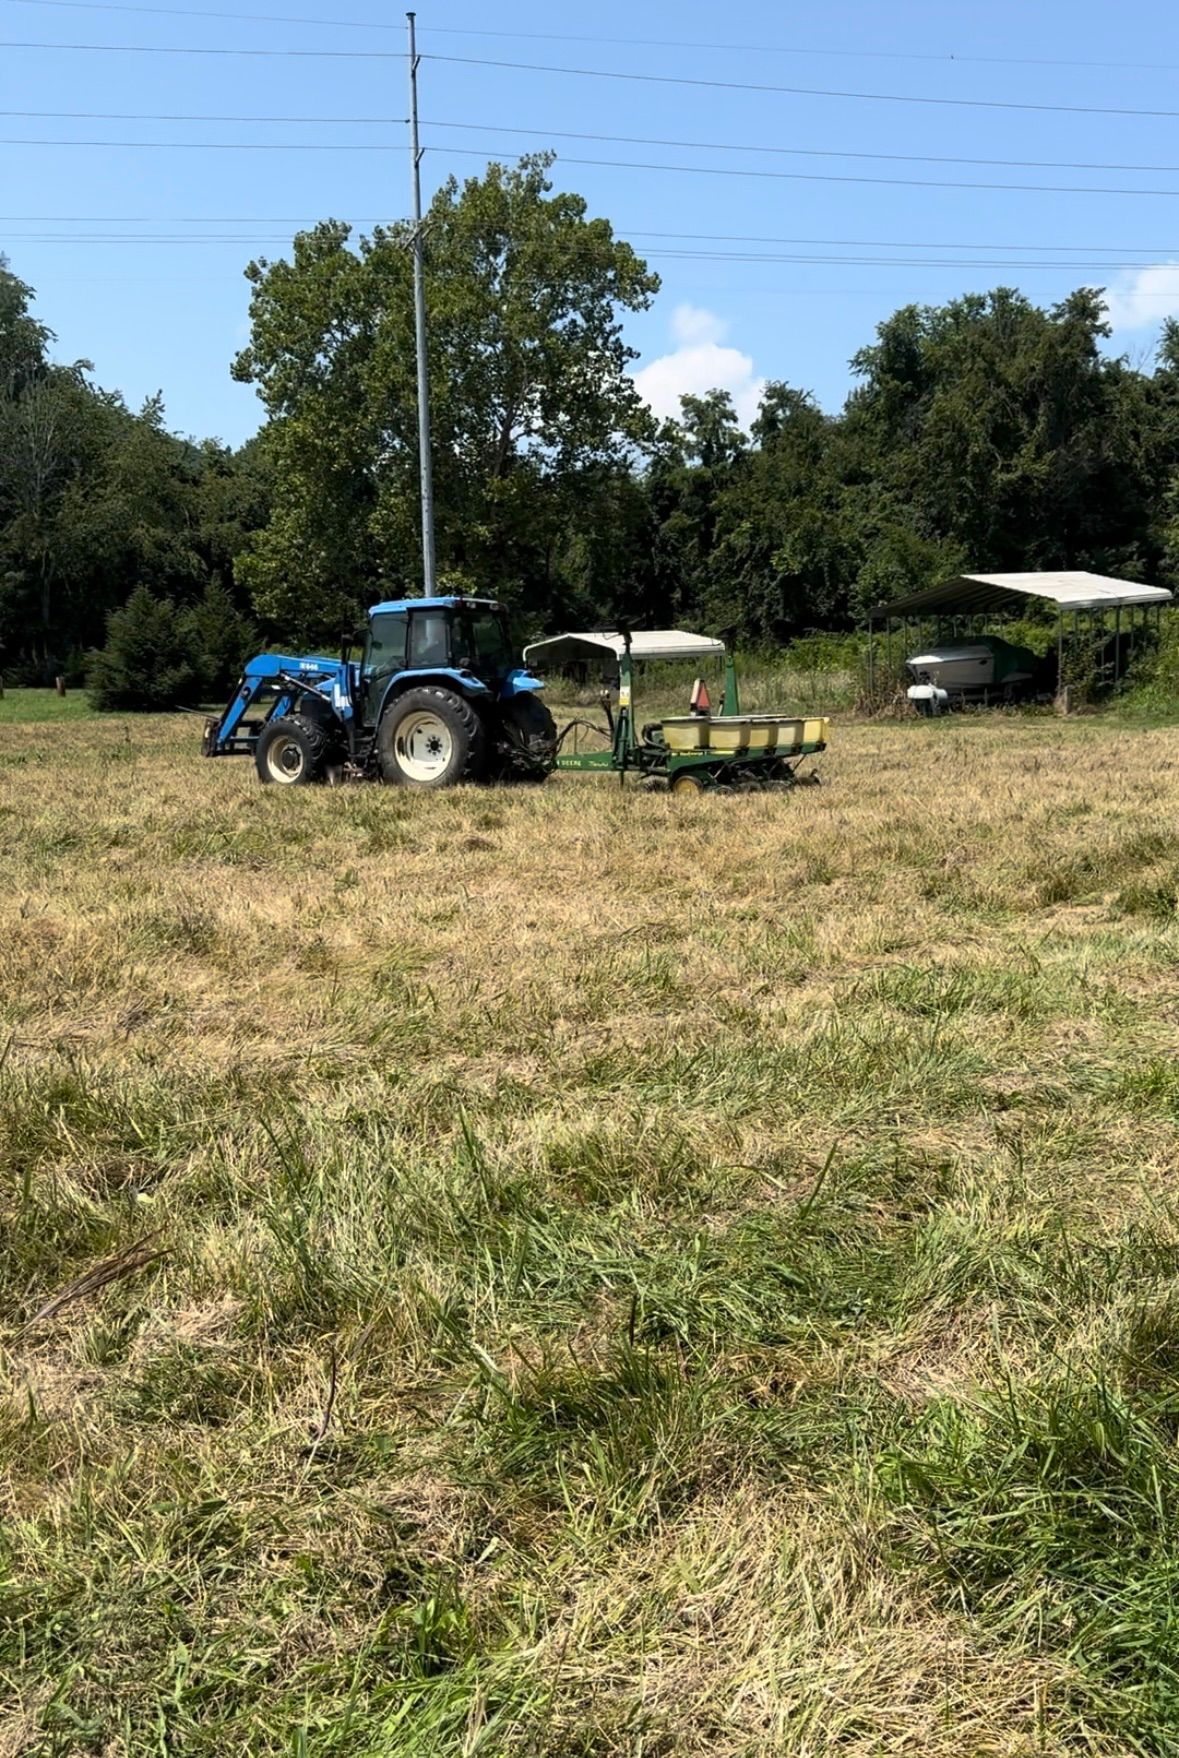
(1153, 681)
(221, 640)
(148, 661)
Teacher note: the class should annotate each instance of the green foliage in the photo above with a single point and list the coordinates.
(96, 500)
(221, 639)
(1037, 633)
(148, 661)
(532, 406)
(1153, 681)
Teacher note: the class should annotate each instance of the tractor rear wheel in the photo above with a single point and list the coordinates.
(431, 737)
(290, 751)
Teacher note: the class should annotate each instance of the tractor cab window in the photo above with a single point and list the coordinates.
(482, 644)
(429, 639)
(384, 654)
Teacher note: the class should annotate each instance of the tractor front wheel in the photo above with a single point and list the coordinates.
(431, 737)
(290, 751)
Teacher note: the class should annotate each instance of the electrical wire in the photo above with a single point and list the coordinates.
(567, 253)
(717, 146)
(221, 146)
(625, 232)
(797, 91)
(1151, 250)
(188, 49)
(604, 73)
(444, 149)
(945, 57)
(832, 177)
(728, 146)
(199, 116)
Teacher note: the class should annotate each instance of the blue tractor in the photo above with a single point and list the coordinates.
(436, 697)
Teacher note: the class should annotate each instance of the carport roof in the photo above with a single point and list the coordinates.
(1073, 590)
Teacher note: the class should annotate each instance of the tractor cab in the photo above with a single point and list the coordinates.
(465, 638)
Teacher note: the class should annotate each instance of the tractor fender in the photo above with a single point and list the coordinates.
(521, 681)
(463, 683)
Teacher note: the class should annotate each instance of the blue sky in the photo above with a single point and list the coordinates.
(164, 306)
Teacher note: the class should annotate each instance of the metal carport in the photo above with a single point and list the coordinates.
(978, 597)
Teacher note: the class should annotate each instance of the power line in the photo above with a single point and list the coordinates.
(797, 91)
(717, 146)
(446, 150)
(607, 73)
(223, 146)
(570, 252)
(198, 116)
(1151, 250)
(163, 49)
(946, 57)
(728, 146)
(181, 220)
(625, 232)
(832, 177)
(201, 12)
(756, 292)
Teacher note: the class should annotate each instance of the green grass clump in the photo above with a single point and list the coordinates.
(1048, 1510)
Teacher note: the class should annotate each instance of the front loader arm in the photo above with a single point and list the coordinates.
(277, 680)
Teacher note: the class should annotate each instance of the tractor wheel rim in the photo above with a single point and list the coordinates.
(284, 759)
(424, 746)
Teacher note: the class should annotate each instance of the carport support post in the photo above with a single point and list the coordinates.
(1059, 649)
(1117, 645)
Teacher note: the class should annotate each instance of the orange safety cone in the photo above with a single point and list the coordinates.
(700, 703)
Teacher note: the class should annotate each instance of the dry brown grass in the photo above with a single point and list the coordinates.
(710, 1207)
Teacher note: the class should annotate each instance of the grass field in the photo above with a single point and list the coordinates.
(638, 1277)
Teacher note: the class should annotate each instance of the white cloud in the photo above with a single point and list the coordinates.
(699, 363)
(1141, 298)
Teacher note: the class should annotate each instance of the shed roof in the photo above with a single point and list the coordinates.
(644, 644)
(1070, 590)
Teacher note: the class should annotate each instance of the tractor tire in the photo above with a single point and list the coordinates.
(291, 751)
(431, 737)
(528, 745)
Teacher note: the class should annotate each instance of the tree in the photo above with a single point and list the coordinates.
(221, 638)
(24, 342)
(528, 385)
(1001, 431)
(711, 433)
(148, 660)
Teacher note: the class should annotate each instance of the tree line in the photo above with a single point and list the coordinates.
(986, 433)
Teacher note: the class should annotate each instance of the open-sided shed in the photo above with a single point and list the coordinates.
(968, 601)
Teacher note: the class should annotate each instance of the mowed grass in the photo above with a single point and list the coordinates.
(640, 1276)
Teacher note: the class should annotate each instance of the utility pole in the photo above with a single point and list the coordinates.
(429, 572)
